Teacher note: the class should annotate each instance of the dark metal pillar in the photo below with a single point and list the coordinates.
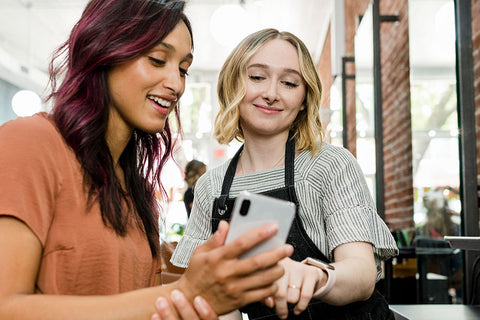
(467, 135)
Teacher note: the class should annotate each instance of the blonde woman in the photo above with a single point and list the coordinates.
(269, 94)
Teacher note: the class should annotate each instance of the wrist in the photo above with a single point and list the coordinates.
(182, 286)
(328, 270)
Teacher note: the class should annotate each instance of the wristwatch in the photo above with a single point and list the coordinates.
(329, 270)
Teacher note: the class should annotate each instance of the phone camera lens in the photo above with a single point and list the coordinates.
(244, 208)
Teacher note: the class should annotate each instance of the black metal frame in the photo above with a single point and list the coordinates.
(467, 135)
(378, 122)
(378, 105)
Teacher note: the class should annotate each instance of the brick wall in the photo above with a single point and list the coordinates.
(396, 116)
(396, 104)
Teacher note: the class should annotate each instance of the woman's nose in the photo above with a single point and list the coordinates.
(271, 92)
(174, 81)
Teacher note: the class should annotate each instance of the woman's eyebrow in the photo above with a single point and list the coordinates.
(172, 48)
(264, 66)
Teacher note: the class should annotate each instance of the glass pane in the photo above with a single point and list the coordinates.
(435, 150)
(364, 103)
(334, 129)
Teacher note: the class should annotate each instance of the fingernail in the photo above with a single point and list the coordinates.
(176, 295)
(269, 302)
(161, 303)
(217, 233)
(200, 305)
(288, 249)
(271, 229)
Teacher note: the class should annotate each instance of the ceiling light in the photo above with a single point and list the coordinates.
(230, 23)
(26, 103)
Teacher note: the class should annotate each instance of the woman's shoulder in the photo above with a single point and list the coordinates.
(220, 169)
(34, 139)
(37, 120)
(33, 129)
(329, 156)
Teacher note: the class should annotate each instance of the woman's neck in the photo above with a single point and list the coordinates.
(260, 154)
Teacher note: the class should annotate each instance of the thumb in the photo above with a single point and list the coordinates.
(221, 233)
(217, 240)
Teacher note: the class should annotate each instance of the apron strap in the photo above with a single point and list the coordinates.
(290, 167)
(227, 182)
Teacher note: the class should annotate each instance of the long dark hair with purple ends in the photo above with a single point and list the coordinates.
(110, 33)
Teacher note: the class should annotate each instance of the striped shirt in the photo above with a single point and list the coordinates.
(335, 205)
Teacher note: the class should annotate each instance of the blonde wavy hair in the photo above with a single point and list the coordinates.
(231, 89)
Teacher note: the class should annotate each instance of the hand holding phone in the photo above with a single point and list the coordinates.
(252, 210)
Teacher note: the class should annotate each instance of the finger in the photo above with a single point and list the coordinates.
(261, 278)
(222, 231)
(203, 309)
(269, 302)
(295, 283)
(183, 306)
(308, 288)
(155, 317)
(232, 250)
(268, 258)
(248, 240)
(163, 310)
(258, 294)
(281, 307)
(293, 293)
(262, 261)
(216, 240)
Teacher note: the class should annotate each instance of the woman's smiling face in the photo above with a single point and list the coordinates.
(144, 90)
(275, 89)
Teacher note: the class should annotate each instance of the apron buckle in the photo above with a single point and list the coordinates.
(222, 211)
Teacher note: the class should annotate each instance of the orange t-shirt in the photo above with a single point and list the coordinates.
(41, 183)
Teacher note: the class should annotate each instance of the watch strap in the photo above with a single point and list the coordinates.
(331, 277)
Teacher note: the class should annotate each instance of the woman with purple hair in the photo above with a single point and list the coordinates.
(79, 235)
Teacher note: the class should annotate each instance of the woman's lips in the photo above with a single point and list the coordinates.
(267, 110)
(162, 105)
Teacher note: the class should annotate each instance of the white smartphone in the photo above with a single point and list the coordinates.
(252, 210)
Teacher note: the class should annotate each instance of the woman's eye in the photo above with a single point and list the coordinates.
(290, 84)
(255, 78)
(183, 72)
(156, 62)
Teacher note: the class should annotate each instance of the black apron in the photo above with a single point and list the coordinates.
(375, 307)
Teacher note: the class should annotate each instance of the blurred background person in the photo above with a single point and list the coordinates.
(193, 170)
(438, 222)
